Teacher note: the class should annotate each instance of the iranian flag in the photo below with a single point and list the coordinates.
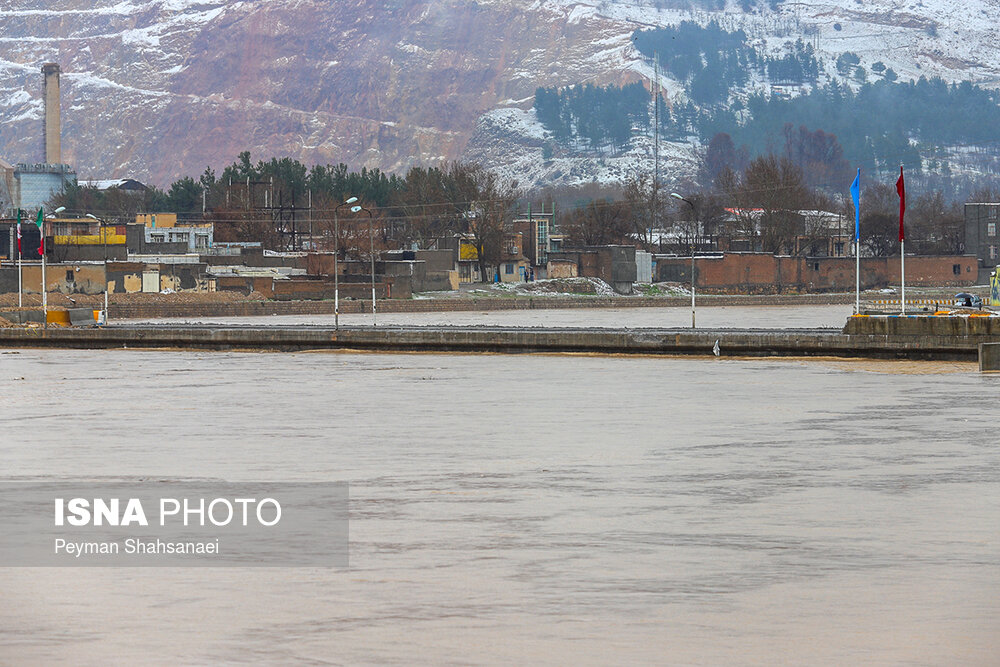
(19, 232)
(40, 222)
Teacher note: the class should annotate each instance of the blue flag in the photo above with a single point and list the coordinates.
(856, 196)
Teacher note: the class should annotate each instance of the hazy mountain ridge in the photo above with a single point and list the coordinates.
(162, 88)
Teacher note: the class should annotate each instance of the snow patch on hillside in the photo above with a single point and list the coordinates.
(513, 144)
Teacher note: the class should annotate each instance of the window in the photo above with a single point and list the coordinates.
(815, 266)
(201, 241)
(156, 238)
(956, 269)
(69, 275)
(993, 252)
(509, 269)
(991, 229)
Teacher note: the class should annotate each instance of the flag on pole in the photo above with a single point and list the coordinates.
(856, 197)
(41, 221)
(901, 191)
(18, 231)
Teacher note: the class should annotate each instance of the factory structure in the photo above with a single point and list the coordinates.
(29, 185)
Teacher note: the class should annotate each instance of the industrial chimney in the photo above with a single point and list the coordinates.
(50, 125)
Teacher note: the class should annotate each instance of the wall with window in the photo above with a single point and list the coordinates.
(195, 238)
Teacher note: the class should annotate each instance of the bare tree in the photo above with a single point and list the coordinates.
(490, 215)
(935, 226)
(879, 219)
(647, 208)
(484, 202)
(766, 199)
(599, 222)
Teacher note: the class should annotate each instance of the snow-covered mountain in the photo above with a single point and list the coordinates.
(156, 89)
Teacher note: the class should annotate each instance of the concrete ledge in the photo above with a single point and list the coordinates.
(749, 342)
(923, 325)
(989, 357)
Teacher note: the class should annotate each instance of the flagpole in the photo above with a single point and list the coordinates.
(901, 191)
(857, 278)
(902, 275)
(41, 250)
(20, 290)
(45, 293)
(856, 198)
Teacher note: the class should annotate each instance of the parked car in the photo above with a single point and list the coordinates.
(968, 300)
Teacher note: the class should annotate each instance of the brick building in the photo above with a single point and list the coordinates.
(981, 238)
(763, 273)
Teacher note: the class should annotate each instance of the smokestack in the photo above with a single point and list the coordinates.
(50, 126)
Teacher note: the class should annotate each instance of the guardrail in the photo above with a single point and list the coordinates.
(920, 304)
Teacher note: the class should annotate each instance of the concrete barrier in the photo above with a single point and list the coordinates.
(733, 343)
(989, 357)
(923, 325)
(82, 316)
(58, 317)
(23, 316)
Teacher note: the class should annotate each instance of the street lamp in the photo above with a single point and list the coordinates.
(336, 262)
(104, 240)
(689, 203)
(45, 292)
(371, 241)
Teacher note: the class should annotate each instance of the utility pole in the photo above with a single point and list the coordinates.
(655, 89)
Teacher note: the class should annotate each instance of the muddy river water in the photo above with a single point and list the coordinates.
(676, 316)
(531, 509)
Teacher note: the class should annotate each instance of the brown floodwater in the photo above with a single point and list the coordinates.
(531, 509)
(735, 317)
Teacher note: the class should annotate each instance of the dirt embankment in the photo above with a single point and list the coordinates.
(57, 300)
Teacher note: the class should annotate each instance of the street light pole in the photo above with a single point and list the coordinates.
(371, 242)
(104, 240)
(45, 292)
(20, 278)
(336, 262)
(689, 203)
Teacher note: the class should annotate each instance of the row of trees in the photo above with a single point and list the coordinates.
(713, 62)
(761, 195)
(254, 201)
(759, 202)
(601, 115)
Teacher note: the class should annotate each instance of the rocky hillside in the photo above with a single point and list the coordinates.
(156, 89)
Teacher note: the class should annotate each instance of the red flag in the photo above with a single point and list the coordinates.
(901, 191)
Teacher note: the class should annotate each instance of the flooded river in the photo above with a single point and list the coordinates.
(736, 317)
(544, 510)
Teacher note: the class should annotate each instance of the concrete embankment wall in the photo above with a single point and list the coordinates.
(952, 327)
(766, 273)
(261, 308)
(788, 343)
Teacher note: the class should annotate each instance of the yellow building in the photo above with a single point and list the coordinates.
(157, 219)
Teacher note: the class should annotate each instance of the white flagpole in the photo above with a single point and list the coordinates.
(45, 293)
(902, 275)
(857, 241)
(20, 290)
(857, 277)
